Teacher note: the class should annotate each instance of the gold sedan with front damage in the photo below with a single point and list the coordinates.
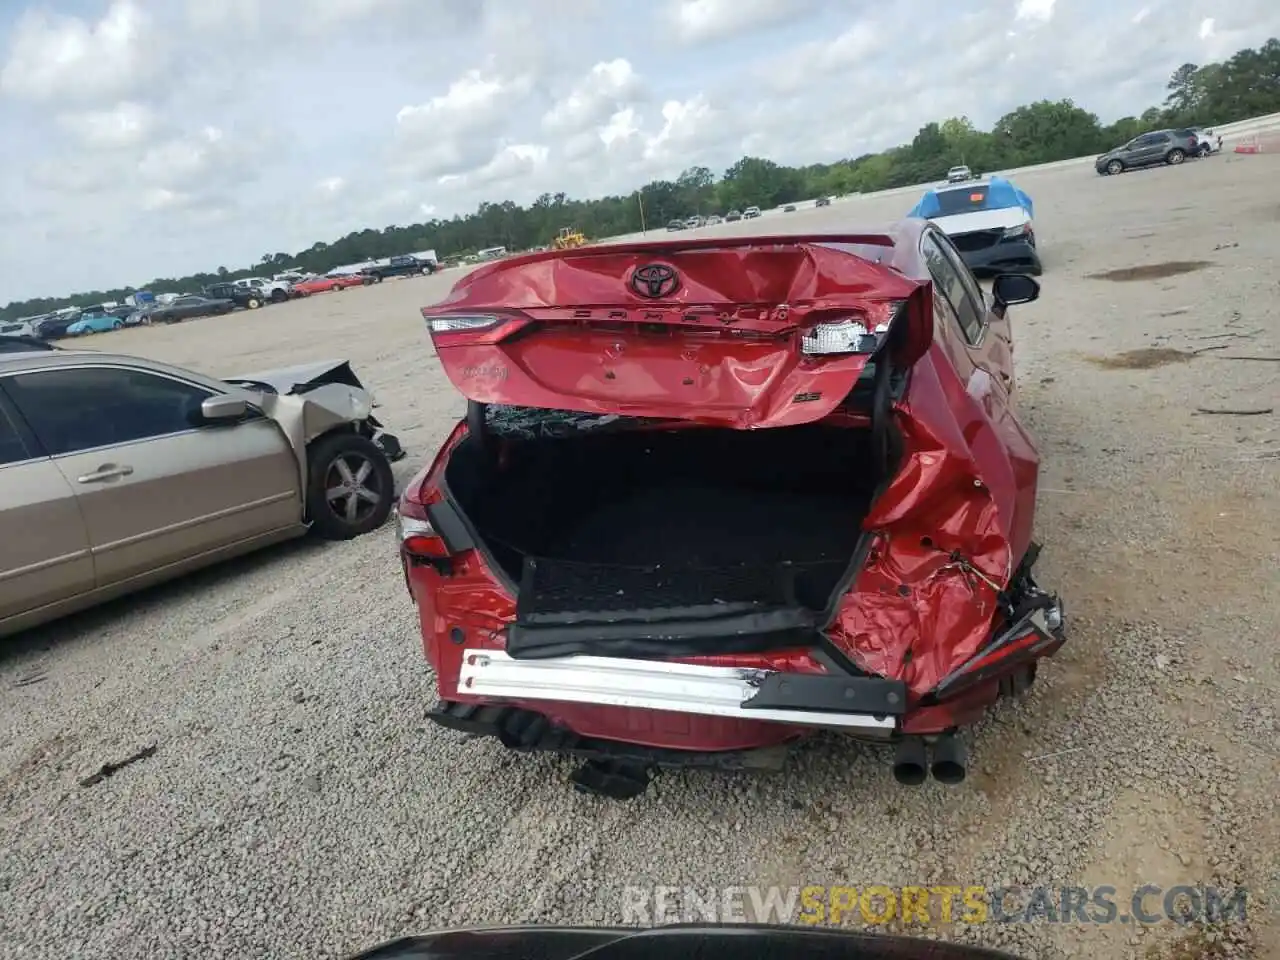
(117, 472)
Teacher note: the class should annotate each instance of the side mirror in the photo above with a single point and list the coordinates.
(223, 409)
(1011, 288)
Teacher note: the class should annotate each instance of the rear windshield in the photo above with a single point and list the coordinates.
(961, 201)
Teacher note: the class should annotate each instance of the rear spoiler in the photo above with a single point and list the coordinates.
(763, 274)
(672, 247)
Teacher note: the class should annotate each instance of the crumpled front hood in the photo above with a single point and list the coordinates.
(300, 378)
(308, 401)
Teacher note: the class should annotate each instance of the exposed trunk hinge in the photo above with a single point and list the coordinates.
(478, 426)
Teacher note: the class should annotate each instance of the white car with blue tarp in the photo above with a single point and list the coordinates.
(989, 221)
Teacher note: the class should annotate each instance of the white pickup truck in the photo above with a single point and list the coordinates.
(1209, 142)
(277, 291)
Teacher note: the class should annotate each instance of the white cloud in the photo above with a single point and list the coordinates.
(605, 89)
(130, 155)
(1040, 11)
(64, 59)
(126, 124)
(699, 21)
(832, 59)
(687, 127)
(621, 126)
(513, 162)
(457, 130)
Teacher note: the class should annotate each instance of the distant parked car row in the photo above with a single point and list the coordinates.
(697, 221)
(223, 296)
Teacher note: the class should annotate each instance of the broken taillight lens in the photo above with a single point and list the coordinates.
(418, 538)
(843, 336)
(856, 334)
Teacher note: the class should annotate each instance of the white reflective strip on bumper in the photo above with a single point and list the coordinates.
(644, 684)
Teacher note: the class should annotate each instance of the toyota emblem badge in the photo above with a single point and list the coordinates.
(655, 281)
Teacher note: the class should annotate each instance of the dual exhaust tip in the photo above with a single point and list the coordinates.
(912, 768)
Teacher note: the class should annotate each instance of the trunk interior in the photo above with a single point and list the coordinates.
(606, 523)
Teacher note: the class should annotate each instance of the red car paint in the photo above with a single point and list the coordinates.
(950, 528)
(328, 284)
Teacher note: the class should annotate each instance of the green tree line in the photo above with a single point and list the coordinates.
(1246, 85)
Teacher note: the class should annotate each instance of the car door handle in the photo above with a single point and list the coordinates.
(108, 471)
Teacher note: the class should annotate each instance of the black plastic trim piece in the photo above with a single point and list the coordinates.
(473, 537)
(478, 425)
(834, 659)
(828, 694)
(745, 633)
(594, 618)
(445, 521)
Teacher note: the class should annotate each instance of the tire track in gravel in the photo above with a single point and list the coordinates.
(532, 867)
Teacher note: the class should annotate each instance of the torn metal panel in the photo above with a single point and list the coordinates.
(535, 423)
(300, 378)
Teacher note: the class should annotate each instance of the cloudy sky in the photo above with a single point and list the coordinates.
(143, 138)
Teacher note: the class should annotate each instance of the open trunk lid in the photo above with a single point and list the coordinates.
(739, 332)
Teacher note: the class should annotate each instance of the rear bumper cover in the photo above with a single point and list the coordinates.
(868, 705)
(600, 699)
(1007, 254)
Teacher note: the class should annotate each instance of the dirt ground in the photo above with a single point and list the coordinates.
(299, 805)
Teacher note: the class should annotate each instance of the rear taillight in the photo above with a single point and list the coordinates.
(858, 334)
(459, 324)
(418, 538)
(843, 336)
(470, 329)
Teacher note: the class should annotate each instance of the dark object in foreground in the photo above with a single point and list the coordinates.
(678, 942)
(112, 768)
(25, 344)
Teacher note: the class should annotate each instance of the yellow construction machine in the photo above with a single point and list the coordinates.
(568, 239)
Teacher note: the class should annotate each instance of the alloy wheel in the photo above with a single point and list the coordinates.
(352, 487)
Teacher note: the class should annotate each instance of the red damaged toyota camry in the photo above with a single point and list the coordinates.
(711, 496)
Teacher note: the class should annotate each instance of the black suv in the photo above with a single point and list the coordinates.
(240, 296)
(404, 266)
(1159, 146)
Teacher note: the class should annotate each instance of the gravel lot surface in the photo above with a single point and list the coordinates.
(299, 805)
